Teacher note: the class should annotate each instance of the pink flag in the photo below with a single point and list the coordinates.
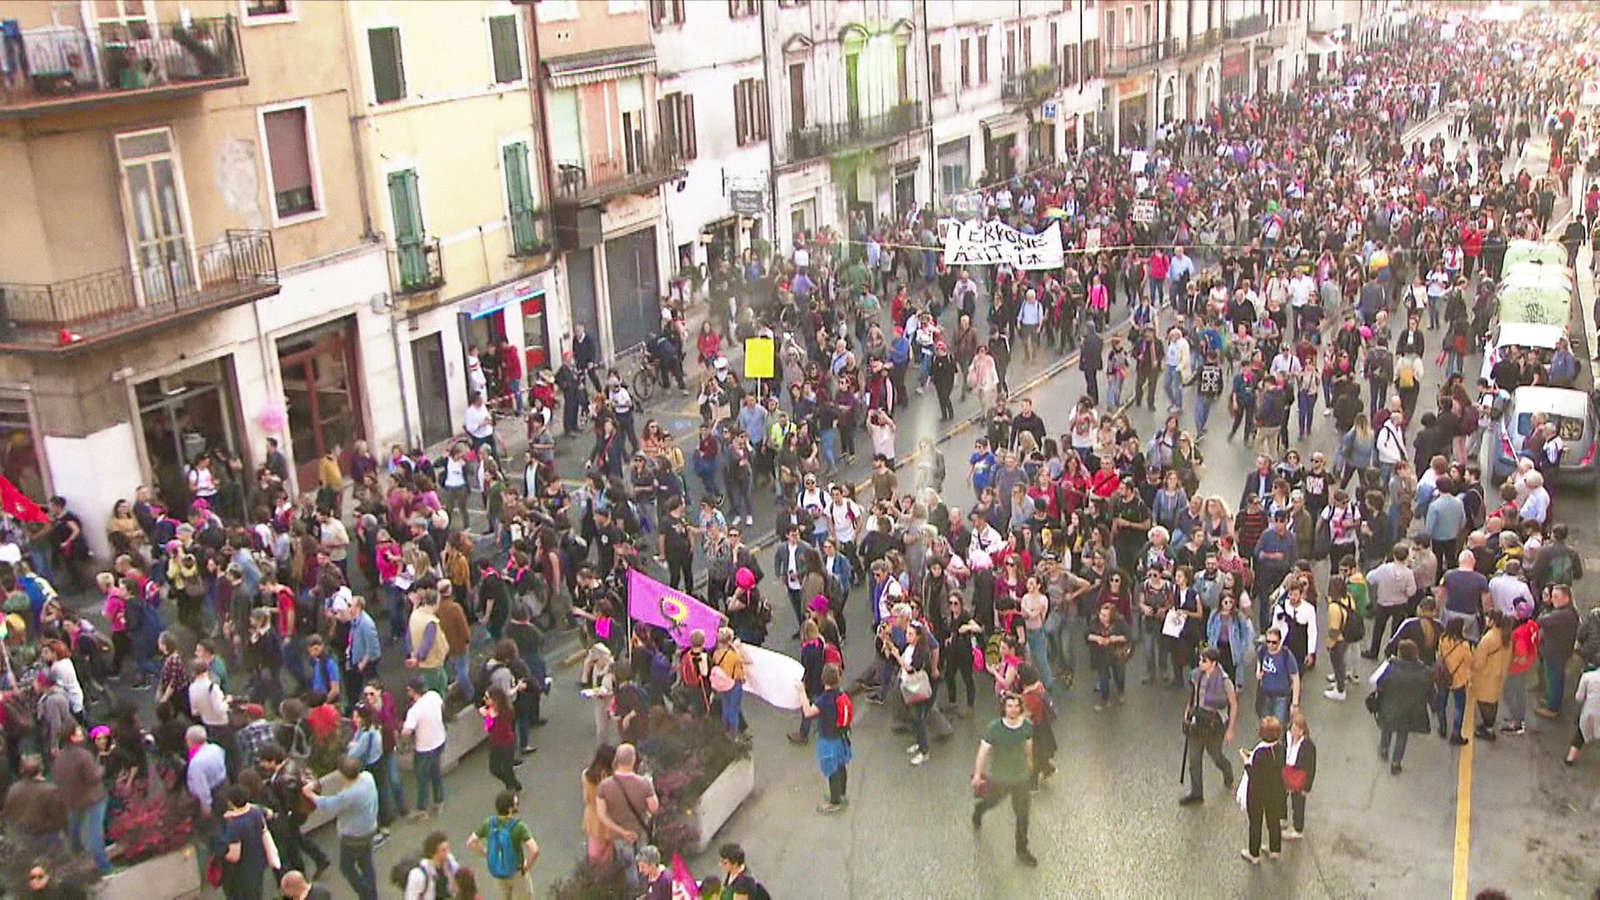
(653, 603)
(684, 885)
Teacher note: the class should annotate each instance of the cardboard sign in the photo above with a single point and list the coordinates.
(990, 243)
(759, 358)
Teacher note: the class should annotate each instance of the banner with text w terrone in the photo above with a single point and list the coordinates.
(975, 243)
(653, 603)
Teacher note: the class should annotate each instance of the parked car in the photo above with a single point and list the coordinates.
(1574, 413)
(1520, 334)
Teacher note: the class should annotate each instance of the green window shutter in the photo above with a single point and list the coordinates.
(518, 188)
(504, 45)
(406, 204)
(388, 71)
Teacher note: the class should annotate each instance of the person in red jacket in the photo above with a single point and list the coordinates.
(1524, 653)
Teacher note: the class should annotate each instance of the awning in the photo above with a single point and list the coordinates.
(1320, 45)
(503, 295)
(594, 66)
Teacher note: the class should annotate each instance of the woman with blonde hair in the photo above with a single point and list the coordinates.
(1299, 772)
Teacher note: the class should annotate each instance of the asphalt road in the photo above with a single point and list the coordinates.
(1108, 824)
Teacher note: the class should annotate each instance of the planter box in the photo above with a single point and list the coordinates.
(722, 798)
(171, 876)
(463, 734)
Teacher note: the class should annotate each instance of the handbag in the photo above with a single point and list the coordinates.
(1372, 702)
(916, 687)
(1294, 779)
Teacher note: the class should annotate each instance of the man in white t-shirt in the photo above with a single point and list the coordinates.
(424, 724)
(844, 525)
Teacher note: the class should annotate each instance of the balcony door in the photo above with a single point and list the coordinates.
(405, 204)
(852, 88)
(155, 209)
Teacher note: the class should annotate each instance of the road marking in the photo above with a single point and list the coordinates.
(1463, 842)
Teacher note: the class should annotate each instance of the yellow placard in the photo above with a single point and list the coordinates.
(759, 358)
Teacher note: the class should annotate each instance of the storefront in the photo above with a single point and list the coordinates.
(999, 153)
(633, 288)
(1236, 72)
(184, 416)
(1041, 143)
(955, 167)
(322, 392)
(512, 313)
(905, 188)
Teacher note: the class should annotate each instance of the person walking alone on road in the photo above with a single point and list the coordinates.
(1004, 766)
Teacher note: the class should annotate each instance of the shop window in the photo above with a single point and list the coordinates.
(184, 416)
(19, 453)
(321, 388)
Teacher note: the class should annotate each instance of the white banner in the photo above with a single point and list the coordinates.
(772, 676)
(989, 243)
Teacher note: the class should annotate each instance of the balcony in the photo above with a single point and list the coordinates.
(419, 265)
(642, 169)
(75, 67)
(1202, 43)
(1247, 27)
(1032, 86)
(1327, 18)
(528, 233)
(814, 141)
(119, 303)
(1280, 35)
(1125, 60)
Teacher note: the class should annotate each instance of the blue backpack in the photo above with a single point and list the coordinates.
(503, 858)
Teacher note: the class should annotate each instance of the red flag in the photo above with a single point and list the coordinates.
(18, 505)
(684, 885)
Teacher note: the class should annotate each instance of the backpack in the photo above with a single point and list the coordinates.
(847, 713)
(1354, 628)
(133, 614)
(504, 861)
(402, 870)
(1406, 378)
(832, 656)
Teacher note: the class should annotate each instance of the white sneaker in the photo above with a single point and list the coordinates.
(914, 748)
(749, 520)
(919, 759)
(1333, 694)
(1289, 834)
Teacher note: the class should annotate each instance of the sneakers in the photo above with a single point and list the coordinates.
(919, 759)
(1192, 800)
(380, 839)
(1514, 728)
(1247, 857)
(914, 748)
(1289, 834)
(796, 737)
(1027, 859)
(1334, 694)
(1543, 713)
(1394, 768)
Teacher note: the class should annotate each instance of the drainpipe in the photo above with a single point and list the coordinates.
(357, 137)
(927, 94)
(772, 150)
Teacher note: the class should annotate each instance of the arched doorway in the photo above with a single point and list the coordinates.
(1189, 96)
(1211, 91)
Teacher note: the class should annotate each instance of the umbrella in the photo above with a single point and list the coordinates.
(1055, 212)
(18, 505)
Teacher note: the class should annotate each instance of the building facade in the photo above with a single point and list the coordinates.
(188, 258)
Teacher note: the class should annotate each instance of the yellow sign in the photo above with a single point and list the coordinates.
(759, 358)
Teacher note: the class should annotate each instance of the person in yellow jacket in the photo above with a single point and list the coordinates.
(427, 647)
(1491, 660)
(1341, 609)
(1454, 663)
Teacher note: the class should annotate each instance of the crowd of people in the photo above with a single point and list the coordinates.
(1305, 257)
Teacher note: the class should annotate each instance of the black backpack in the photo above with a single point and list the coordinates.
(402, 871)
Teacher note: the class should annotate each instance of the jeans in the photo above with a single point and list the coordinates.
(1202, 411)
(739, 503)
(1382, 618)
(1400, 738)
(919, 724)
(1555, 683)
(1150, 649)
(1276, 705)
(733, 706)
(626, 852)
(1336, 656)
(1199, 749)
(355, 863)
(1019, 807)
(1456, 697)
(1110, 671)
(88, 830)
(426, 769)
(1039, 655)
(459, 665)
(1172, 383)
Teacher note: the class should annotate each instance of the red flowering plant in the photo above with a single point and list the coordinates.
(153, 814)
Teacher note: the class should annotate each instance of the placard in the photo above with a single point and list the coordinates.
(758, 358)
(990, 243)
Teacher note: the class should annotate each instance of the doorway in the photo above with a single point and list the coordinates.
(905, 188)
(433, 393)
(322, 391)
(585, 299)
(184, 416)
(633, 288)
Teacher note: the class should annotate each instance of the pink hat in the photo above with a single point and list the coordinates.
(819, 603)
(744, 578)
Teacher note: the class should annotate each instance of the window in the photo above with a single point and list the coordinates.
(966, 62)
(936, 69)
(675, 111)
(557, 10)
(1069, 64)
(625, 7)
(750, 111)
(739, 9)
(634, 157)
(255, 10)
(797, 96)
(902, 72)
(666, 12)
(20, 463)
(1008, 66)
(983, 59)
(1055, 46)
(388, 69)
(505, 47)
(519, 200)
(289, 168)
(1091, 59)
(1027, 48)
(157, 211)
